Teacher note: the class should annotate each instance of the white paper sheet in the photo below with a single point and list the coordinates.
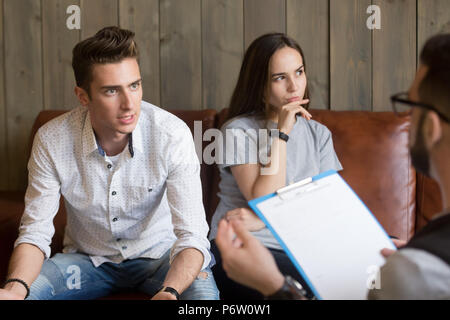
(330, 235)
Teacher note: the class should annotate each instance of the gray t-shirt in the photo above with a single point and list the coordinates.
(310, 152)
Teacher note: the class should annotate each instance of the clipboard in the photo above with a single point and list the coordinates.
(329, 234)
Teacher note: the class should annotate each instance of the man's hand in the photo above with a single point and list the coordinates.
(183, 270)
(250, 221)
(164, 296)
(9, 295)
(246, 260)
(389, 252)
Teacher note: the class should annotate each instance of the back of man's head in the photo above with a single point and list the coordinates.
(436, 51)
(434, 89)
(109, 45)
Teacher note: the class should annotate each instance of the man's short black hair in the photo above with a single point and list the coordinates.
(436, 51)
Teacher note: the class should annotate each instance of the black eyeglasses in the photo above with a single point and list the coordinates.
(401, 104)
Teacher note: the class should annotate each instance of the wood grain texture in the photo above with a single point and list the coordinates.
(23, 74)
(3, 150)
(303, 16)
(350, 56)
(58, 42)
(394, 51)
(97, 14)
(181, 54)
(223, 50)
(191, 51)
(263, 16)
(142, 17)
(433, 18)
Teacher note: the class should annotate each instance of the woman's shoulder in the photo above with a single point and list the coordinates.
(314, 126)
(314, 129)
(244, 122)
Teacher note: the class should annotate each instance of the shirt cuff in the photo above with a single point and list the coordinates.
(26, 239)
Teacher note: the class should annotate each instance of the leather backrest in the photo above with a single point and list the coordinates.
(373, 149)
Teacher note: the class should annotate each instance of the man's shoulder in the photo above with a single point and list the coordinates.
(414, 274)
(421, 259)
(63, 125)
(160, 120)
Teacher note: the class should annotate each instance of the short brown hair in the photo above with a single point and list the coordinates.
(109, 45)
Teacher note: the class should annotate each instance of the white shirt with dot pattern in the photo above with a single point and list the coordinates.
(146, 203)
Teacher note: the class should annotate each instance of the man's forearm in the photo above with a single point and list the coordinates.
(184, 269)
(25, 264)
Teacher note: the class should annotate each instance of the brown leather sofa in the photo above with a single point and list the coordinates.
(372, 147)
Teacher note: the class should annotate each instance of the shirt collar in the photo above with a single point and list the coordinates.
(89, 140)
(136, 136)
(88, 137)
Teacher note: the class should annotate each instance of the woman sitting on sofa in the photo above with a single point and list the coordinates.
(271, 93)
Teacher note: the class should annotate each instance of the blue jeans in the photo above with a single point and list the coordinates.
(72, 276)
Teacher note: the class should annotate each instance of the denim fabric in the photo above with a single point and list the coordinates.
(72, 276)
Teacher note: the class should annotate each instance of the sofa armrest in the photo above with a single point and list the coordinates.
(11, 210)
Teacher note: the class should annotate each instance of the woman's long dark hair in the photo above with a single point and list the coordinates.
(248, 95)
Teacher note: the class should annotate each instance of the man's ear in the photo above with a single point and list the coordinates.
(82, 96)
(433, 129)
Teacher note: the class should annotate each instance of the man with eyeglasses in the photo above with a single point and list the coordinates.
(421, 269)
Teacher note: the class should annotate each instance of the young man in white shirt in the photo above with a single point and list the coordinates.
(130, 178)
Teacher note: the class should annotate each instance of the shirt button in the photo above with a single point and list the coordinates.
(109, 166)
(114, 193)
(115, 219)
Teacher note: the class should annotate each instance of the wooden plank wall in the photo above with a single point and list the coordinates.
(393, 60)
(315, 43)
(3, 137)
(181, 54)
(23, 82)
(58, 42)
(191, 52)
(223, 49)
